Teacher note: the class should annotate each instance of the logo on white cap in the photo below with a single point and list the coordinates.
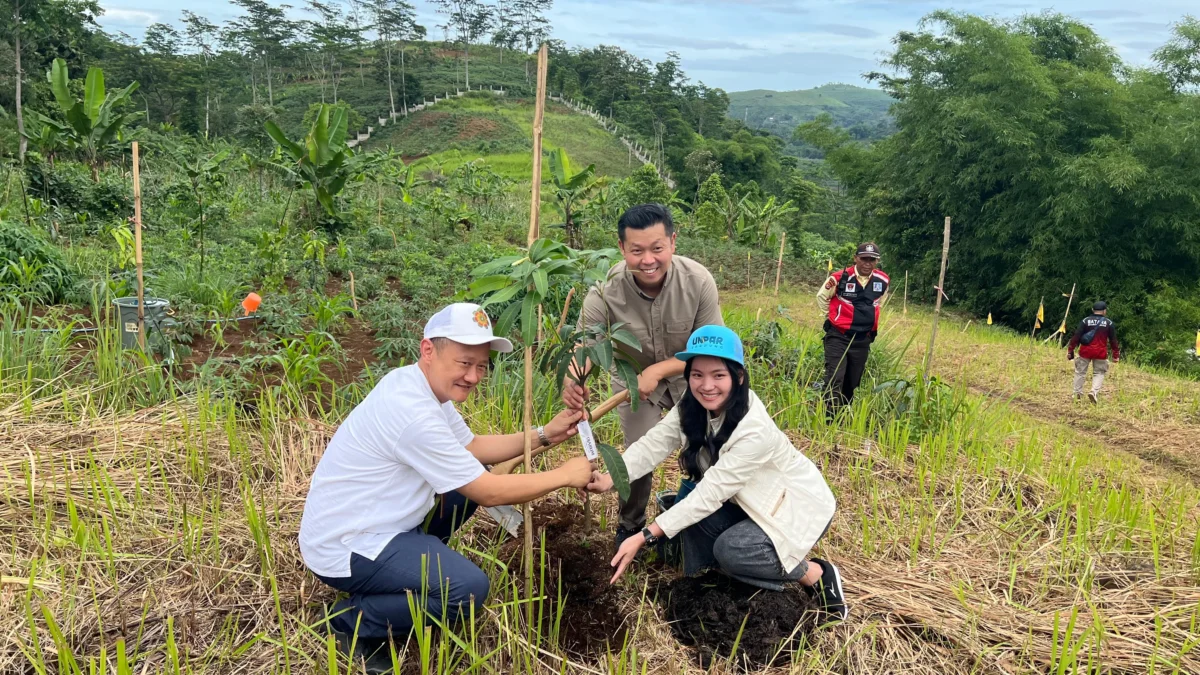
(465, 323)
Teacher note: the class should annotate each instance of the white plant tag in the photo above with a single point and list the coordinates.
(589, 441)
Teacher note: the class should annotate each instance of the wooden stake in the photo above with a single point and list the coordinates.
(137, 248)
(1062, 328)
(747, 269)
(562, 320)
(534, 212)
(353, 296)
(906, 292)
(779, 265)
(937, 307)
(763, 285)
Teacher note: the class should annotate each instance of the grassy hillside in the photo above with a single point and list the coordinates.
(863, 111)
(499, 130)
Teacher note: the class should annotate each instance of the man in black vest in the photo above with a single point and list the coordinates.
(851, 299)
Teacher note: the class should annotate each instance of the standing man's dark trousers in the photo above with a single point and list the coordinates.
(635, 425)
(379, 589)
(845, 360)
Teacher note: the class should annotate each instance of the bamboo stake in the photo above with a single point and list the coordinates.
(906, 292)
(562, 320)
(137, 248)
(534, 213)
(1062, 329)
(779, 265)
(747, 269)
(763, 285)
(937, 308)
(353, 296)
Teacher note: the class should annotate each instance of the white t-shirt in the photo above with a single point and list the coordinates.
(378, 477)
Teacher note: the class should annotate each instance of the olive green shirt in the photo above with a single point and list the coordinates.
(687, 301)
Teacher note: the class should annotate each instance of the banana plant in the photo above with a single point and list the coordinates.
(569, 188)
(323, 162)
(93, 124)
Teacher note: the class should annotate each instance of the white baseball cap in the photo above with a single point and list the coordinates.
(465, 323)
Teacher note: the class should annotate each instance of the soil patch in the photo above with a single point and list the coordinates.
(706, 612)
(577, 565)
(474, 127)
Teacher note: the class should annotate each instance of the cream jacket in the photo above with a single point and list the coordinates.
(759, 469)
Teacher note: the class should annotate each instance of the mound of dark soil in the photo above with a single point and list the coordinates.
(577, 565)
(707, 612)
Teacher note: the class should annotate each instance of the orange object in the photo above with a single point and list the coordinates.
(251, 303)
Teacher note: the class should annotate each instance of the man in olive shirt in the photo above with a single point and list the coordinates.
(661, 298)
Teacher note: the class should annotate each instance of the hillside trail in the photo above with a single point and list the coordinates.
(1155, 417)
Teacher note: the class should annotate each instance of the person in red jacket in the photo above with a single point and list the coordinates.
(851, 299)
(1094, 335)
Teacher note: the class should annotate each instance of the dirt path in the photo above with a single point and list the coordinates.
(1153, 416)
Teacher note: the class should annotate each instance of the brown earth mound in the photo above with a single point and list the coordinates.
(577, 568)
(707, 613)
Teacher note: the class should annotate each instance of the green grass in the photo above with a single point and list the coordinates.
(507, 126)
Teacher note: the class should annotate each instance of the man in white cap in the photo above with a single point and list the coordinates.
(371, 527)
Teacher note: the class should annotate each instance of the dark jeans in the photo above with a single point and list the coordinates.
(845, 361)
(379, 589)
(730, 540)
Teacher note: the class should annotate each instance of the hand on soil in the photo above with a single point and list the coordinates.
(564, 425)
(573, 395)
(578, 471)
(625, 555)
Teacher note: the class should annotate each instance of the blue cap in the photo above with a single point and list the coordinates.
(716, 341)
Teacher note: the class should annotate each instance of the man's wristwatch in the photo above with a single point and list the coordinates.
(650, 538)
(541, 432)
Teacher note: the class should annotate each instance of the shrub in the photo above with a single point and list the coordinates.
(32, 267)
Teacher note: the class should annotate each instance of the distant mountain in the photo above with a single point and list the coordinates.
(864, 112)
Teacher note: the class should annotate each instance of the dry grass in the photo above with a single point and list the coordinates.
(1004, 544)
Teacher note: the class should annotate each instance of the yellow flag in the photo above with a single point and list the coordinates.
(1041, 313)
(830, 264)
(1063, 328)
(989, 318)
(1198, 343)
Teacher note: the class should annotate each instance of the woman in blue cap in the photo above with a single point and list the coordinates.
(758, 504)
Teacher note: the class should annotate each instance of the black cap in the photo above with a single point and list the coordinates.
(869, 250)
(1100, 306)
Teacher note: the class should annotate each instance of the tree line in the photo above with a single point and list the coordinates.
(1059, 164)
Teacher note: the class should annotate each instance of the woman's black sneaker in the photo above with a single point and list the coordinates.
(829, 591)
(373, 654)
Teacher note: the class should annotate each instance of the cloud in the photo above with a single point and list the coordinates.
(786, 62)
(843, 29)
(129, 16)
(675, 41)
(1143, 45)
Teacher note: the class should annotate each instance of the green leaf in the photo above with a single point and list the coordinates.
(496, 265)
(503, 295)
(60, 85)
(627, 338)
(628, 377)
(504, 324)
(79, 121)
(93, 93)
(337, 128)
(488, 284)
(602, 354)
(616, 468)
(284, 142)
(529, 317)
(541, 282)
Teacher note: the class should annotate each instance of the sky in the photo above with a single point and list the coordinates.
(756, 44)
